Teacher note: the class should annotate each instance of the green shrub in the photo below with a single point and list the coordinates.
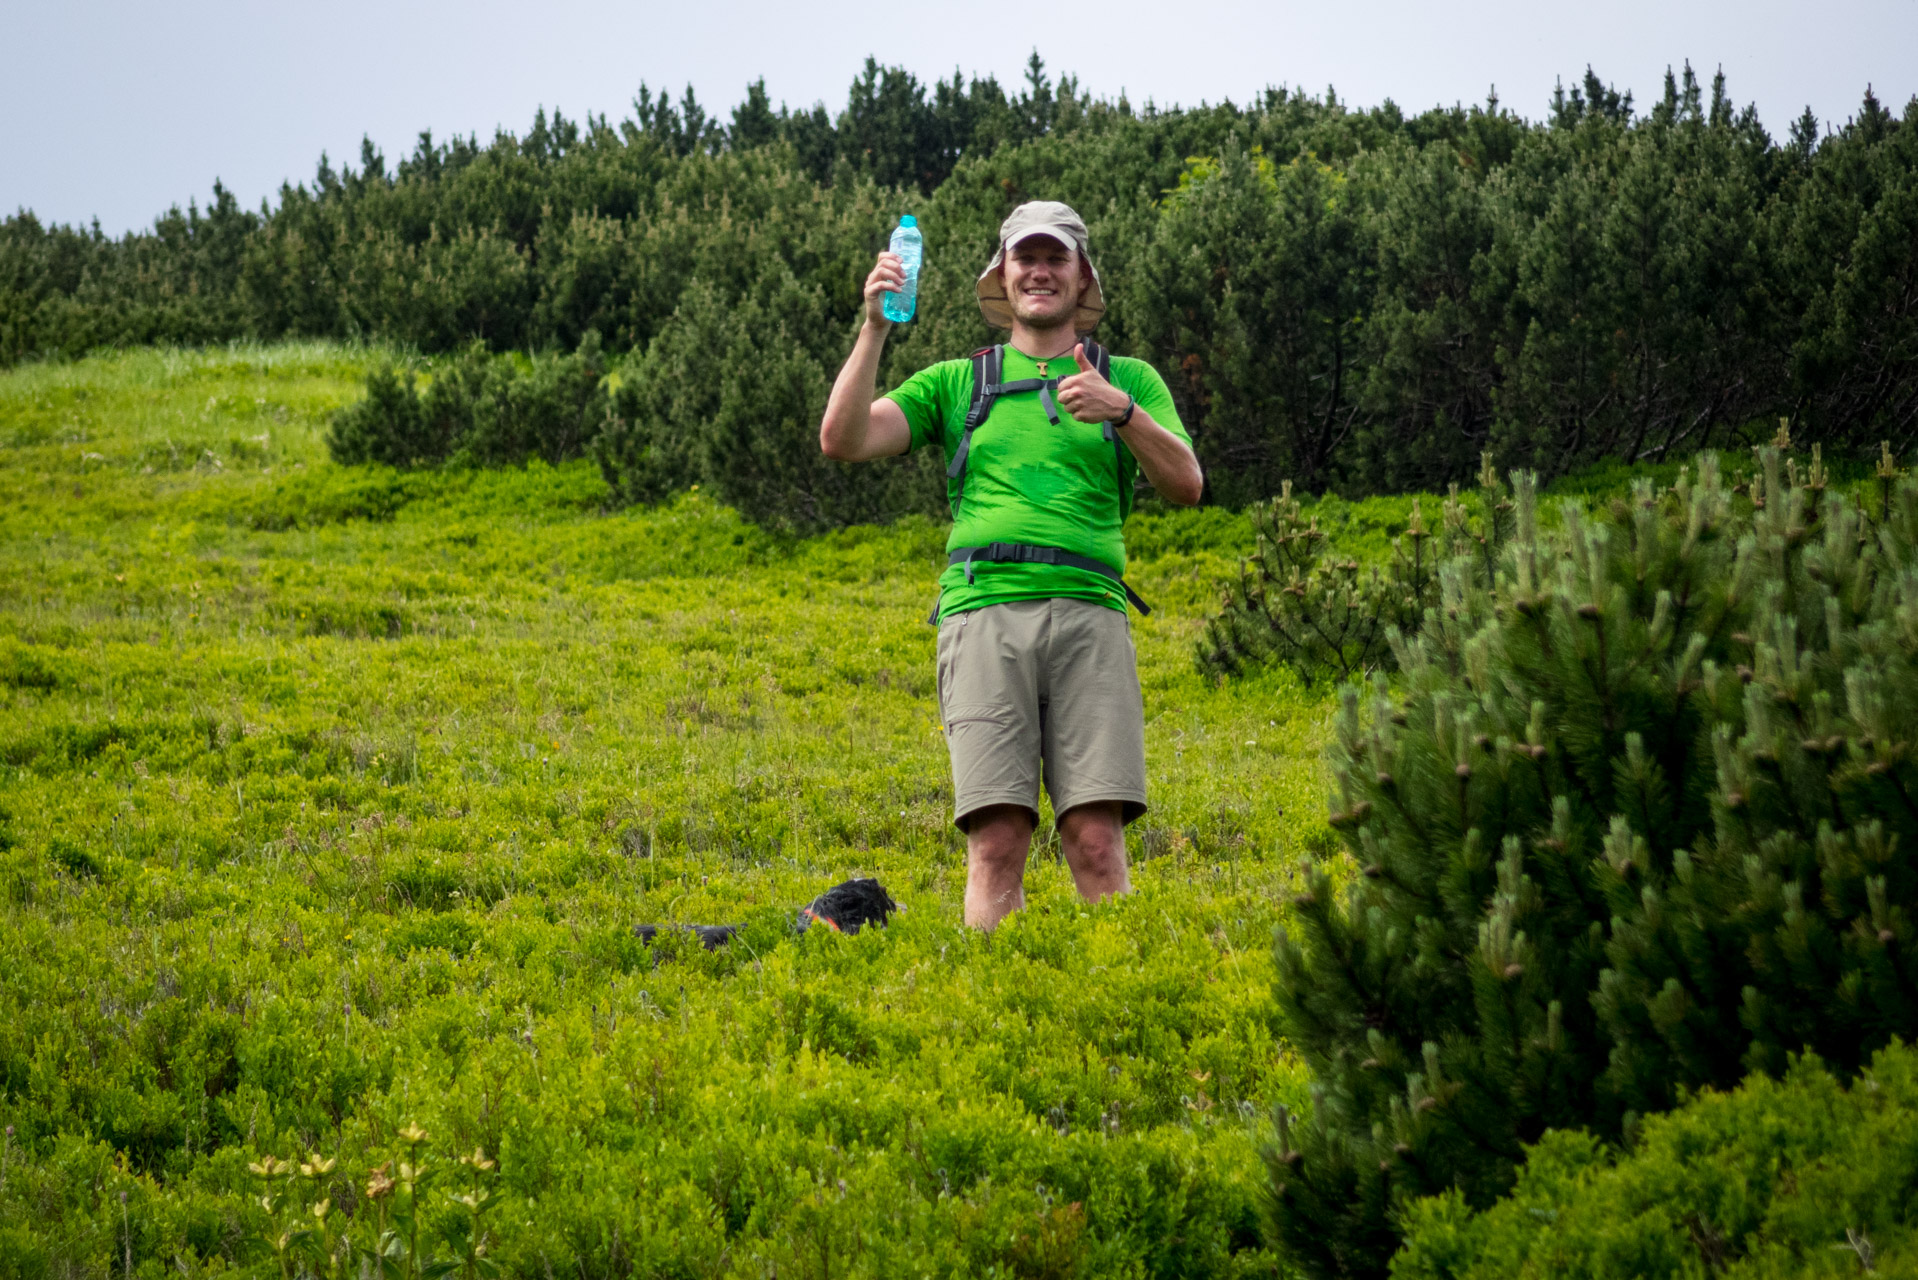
(1336, 617)
(426, 931)
(730, 395)
(1262, 337)
(480, 410)
(31, 666)
(74, 858)
(1635, 819)
(371, 492)
(1799, 1177)
(551, 410)
(387, 427)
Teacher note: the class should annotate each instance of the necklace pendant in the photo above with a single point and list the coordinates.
(1043, 371)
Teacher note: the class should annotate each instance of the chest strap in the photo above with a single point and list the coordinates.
(1026, 553)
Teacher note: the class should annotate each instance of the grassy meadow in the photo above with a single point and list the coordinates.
(329, 800)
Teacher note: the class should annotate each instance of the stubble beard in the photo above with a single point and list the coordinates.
(1044, 323)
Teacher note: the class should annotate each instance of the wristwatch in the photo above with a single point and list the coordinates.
(1131, 403)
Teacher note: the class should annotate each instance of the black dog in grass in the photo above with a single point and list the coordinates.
(844, 908)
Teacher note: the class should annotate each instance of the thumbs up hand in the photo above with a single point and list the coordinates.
(1089, 397)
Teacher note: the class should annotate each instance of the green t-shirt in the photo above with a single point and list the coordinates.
(1029, 481)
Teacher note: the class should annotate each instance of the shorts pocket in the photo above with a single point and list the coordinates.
(946, 654)
(977, 713)
(995, 756)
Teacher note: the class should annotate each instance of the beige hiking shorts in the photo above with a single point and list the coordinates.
(1042, 688)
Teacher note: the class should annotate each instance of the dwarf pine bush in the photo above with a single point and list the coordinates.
(729, 396)
(1334, 617)
(1791, 1177)
(479, 410)
(1637, 817)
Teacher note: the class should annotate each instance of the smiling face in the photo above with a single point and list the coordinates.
(1044, 279)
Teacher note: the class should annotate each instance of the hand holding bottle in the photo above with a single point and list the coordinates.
(888, 276)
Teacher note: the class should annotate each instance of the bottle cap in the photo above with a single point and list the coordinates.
(908, 221)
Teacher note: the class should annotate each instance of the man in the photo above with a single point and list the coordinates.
(1036, 664)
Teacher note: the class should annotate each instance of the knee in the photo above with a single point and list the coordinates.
(997, 859)
(1104, 859)
(998, 838)
(1095, 835)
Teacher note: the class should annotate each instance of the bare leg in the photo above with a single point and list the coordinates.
(1093, 839)
(997, 840)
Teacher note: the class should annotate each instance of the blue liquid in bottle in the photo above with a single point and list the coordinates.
(910, 246)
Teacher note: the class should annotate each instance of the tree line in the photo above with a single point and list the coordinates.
(1365, 299)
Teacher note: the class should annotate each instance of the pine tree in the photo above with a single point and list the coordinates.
(386, 426)
(754, 124)
(1637, 817)
(1037, 105)
(479, 410)
(1428, 405)
(889, 130)
(1341, 296)
(1266, 343)
(1786, 925)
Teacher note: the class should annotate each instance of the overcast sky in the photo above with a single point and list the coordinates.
(117, 110)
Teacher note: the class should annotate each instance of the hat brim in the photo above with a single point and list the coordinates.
(996, 307)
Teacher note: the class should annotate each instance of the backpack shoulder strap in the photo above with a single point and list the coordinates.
(1101, 359)
(987, 365)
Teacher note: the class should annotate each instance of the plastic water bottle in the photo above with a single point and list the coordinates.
(911, 247)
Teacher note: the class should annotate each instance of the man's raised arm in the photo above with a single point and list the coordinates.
(858, 428)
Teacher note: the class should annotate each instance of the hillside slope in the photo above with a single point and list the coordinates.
(331, 799)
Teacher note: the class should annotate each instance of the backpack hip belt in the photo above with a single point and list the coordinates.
(1028, 553)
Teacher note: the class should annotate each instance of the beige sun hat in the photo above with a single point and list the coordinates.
(1040, 218)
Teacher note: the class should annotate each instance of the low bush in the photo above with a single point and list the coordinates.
(1792, 1177)
(1635, 818)
(479, 410)
(729, 396)
(1335, 617)
(336, 497)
